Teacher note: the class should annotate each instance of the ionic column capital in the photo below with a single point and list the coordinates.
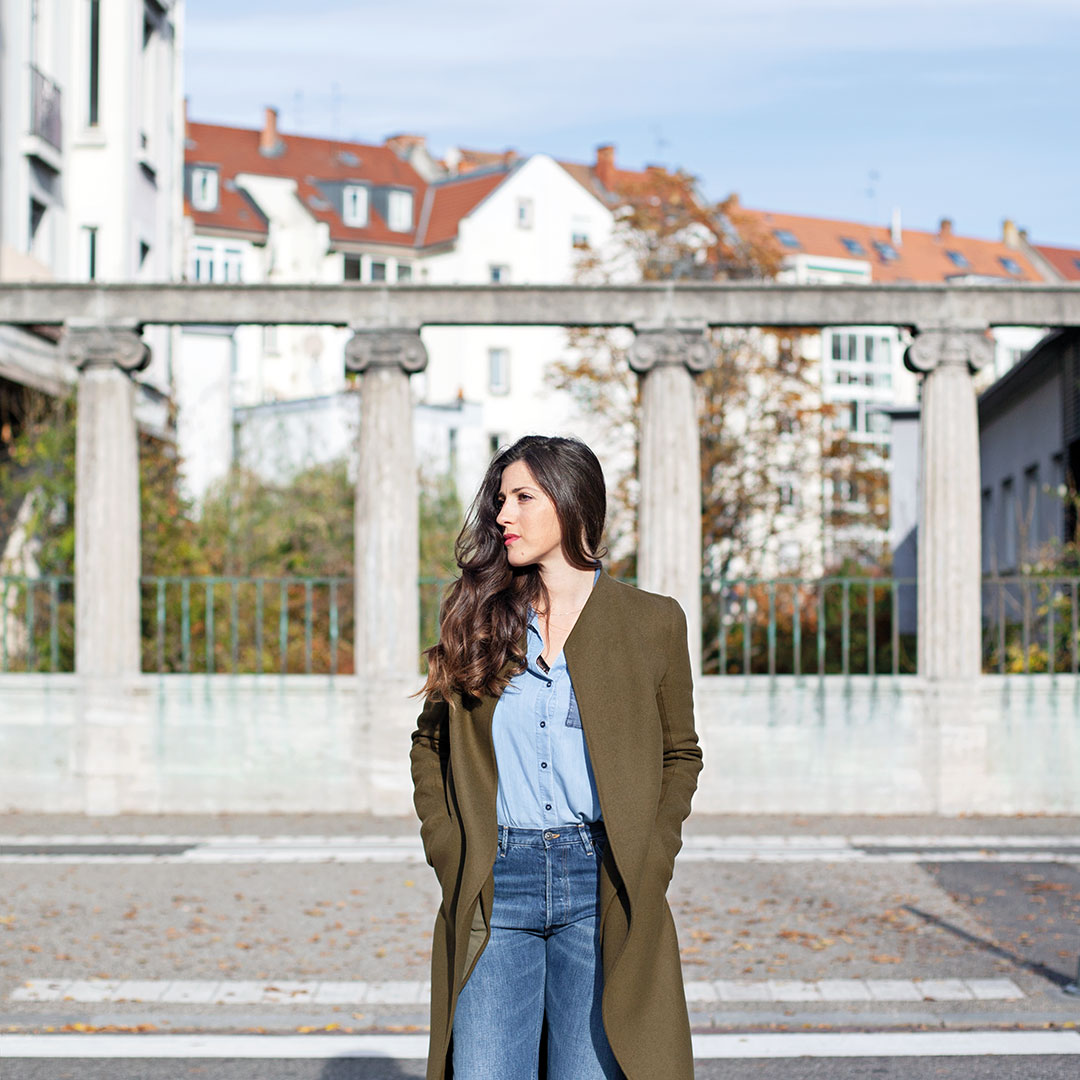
(374, 347)
(98, 345)
(943, 346)
(654, 345)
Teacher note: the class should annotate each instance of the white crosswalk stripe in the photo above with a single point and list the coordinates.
(982, 1044)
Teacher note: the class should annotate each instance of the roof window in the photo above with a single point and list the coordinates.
(354, 205)
(886, 251)
(1011, 265)
(1076, 263)
(204, 188)
(786, 237)
(853, 246)
(958, 258)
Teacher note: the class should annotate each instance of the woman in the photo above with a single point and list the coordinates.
(553, 766)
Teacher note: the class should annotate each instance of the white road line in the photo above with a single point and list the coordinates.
(406, 992)
(414, 1047)
(407, 849)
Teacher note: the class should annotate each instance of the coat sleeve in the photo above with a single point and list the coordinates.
(682, 754)
(430, 759)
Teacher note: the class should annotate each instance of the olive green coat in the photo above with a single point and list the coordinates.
(628, 659)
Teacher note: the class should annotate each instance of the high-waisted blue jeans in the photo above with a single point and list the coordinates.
(542, 957)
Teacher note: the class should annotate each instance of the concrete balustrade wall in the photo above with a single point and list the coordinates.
(234, 744)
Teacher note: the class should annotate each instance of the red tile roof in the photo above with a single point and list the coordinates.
(920, 257)
(1066, 261)
(437, 207)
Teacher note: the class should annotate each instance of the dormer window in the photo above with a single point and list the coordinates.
(958, 258)
(1011, 265)
(853, 247)
(886, 252)
(786, 237)
(204, 188)
(399, 214)
(355, 206)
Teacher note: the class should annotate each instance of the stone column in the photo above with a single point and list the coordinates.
(387, 556)
(107, 555)
(669, 516)
(949, 548)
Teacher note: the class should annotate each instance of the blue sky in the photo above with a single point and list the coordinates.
(968, 109)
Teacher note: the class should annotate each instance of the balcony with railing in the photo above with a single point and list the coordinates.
(46, 109)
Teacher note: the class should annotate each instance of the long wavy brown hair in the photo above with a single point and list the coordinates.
(484, 612)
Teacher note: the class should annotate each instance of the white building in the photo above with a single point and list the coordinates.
(862, 369)
(90, 157)
(264, 206)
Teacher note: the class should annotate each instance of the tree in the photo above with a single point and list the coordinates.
(767, 441)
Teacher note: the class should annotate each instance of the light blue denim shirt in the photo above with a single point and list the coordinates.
(544, 773)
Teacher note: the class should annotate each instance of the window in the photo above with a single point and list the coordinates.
(37, 216)
(499, 371)
(886, 252)
(94, 64)
(579, 239)
(400, 211)
(352, 268)
(231, 265)
(1032, 523)
(204, 263)
(959, 259)
(404, 271)
(355, 206)
(1011, 265)
(1007, 525)
(378, 271)
(204, 188)
(853, 246)
(868, 349)
(785, 423)
(494, 442)
(144, 253)
(500, 275)
(786, 237)
(1076, 263)
(987, 535)
(787, 494)
(525, 213)
(90, 232)
(877, 423)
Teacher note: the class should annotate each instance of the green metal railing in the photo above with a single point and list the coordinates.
(1031, 624)
(232, 624)
(801, 626)
(750, 626)
(37, 623)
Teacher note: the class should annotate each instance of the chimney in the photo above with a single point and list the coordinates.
(895, 232)
(1010, 234)
(605, 166)
(270, 144)
(945, 228)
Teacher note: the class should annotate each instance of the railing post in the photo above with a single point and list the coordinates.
(949, 617)
(666, 359)
(107, 556)
(387, 557)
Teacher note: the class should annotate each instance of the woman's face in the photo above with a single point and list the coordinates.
(527, 518)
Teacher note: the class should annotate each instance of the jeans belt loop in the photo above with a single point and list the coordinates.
(586, 837)
(503, 834)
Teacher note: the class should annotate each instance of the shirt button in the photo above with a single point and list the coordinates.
(549, 682)
(543, 764)
(543, 723)
(547, 806)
